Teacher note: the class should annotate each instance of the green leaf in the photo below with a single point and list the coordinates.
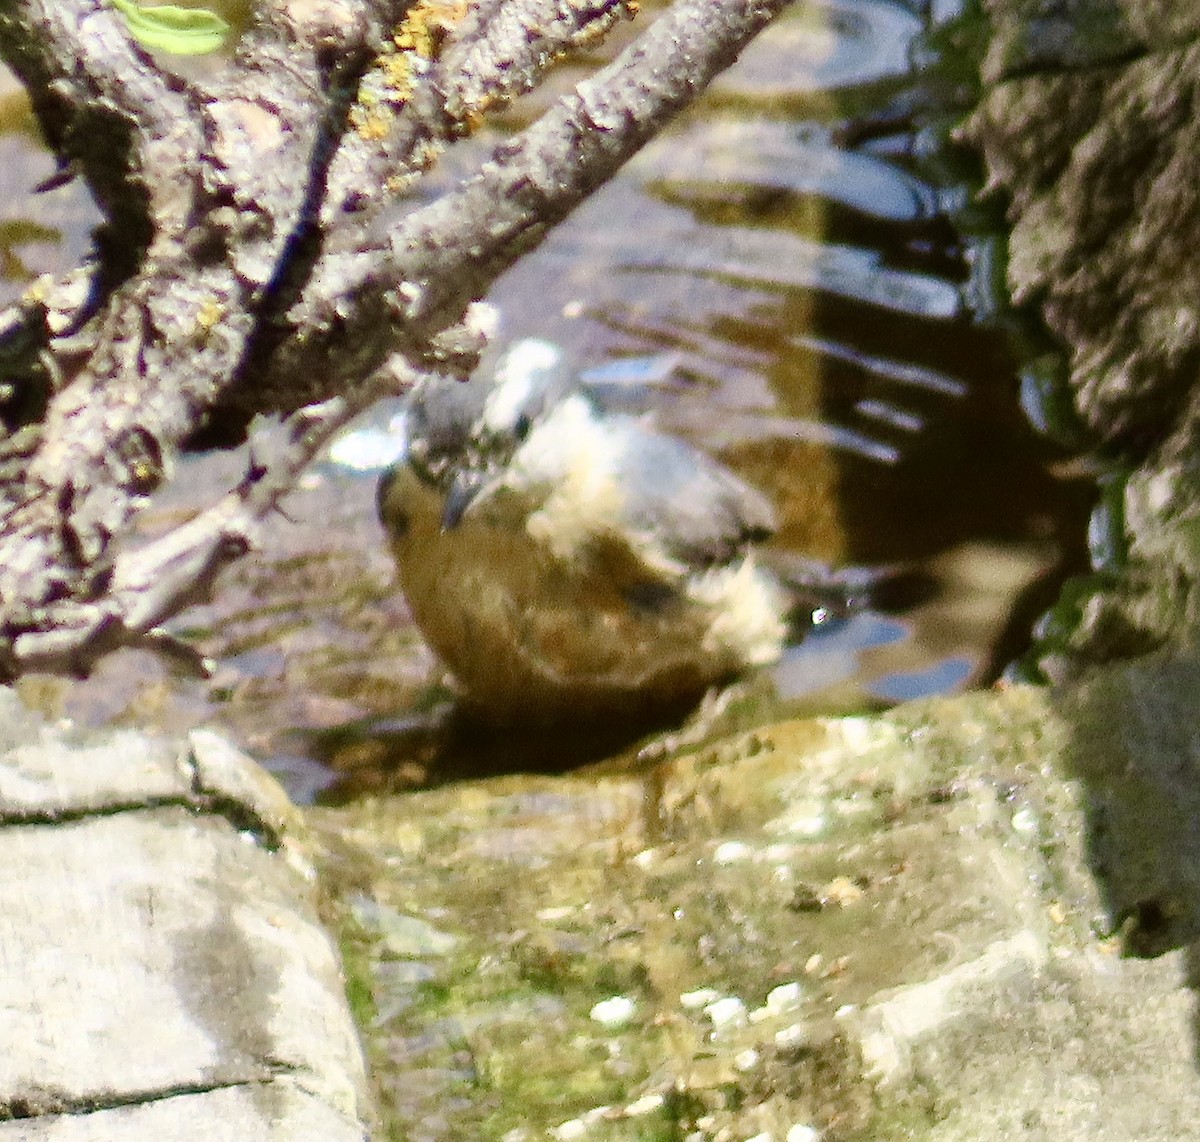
(169, 28)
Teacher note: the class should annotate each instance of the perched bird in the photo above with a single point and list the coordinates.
(568, 563)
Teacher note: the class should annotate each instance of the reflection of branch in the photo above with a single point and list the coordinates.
(254, 260)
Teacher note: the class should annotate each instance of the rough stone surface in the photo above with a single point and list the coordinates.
(160, 941)
(1031, 35)
(1087, 125)
(880, 928)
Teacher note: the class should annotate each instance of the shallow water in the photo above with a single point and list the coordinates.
(813, 297)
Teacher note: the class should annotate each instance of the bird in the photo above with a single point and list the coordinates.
(569, 563)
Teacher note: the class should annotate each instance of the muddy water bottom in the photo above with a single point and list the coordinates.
(813, 298)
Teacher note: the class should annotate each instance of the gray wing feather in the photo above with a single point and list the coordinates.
(693, 506)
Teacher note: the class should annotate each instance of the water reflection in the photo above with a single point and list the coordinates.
(810, 296)
(823, 47)
(53, 233)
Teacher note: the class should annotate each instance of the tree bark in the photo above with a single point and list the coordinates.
(263, 251)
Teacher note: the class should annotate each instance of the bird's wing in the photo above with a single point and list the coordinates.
(684, 501)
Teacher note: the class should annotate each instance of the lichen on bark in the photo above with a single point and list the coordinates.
(257, 257)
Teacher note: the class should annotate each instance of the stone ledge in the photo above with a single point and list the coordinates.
(164, 970)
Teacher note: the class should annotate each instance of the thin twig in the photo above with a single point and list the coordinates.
(155, 582)
(236, 278)
(364, 304)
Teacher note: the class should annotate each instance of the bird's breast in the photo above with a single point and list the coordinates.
(534, 628)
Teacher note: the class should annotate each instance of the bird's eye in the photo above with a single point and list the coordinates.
(522, 426)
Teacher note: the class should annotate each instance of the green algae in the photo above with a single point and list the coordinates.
(647, 956)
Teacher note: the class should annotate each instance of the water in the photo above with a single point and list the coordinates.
(812, 297)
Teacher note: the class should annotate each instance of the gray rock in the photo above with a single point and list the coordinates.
(1087, 125)
(165, 974)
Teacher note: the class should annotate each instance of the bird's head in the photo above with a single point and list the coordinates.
(461, 437)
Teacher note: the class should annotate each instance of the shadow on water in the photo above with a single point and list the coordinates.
(789, 243)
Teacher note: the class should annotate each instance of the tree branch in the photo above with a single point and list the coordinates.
(252, 262)
(397, 295)
(421, 96)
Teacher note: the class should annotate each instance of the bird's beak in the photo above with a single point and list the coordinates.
(466, 486)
